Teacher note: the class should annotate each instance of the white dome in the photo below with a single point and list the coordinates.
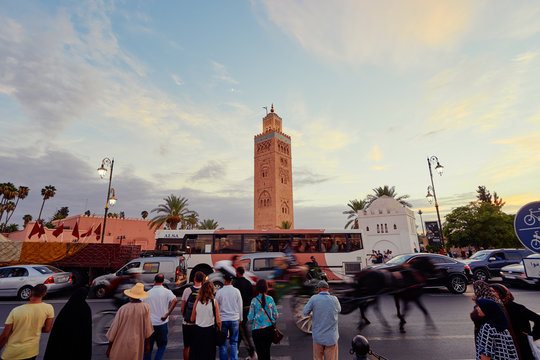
(385, 202)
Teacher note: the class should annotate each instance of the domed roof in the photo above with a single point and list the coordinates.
(385, 202)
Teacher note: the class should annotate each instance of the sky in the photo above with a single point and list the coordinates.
(174, 92)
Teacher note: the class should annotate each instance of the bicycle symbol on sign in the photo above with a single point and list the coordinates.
(532, 217)
(535, 242)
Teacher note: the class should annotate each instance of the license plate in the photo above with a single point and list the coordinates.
(61, 279)
(509, 276)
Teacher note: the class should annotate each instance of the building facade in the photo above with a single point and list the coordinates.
(273, 192)
(388, 225)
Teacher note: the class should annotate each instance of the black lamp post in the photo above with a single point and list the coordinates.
(431, 189)
(111, 200)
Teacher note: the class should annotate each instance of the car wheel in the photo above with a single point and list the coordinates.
(457, 284)
(481, 275)
(100, 291)
(24, 293)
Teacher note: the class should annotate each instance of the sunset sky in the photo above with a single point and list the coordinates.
(174, 91)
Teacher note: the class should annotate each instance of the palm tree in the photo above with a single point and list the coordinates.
(208, 224)
(144, 214)
(355, 206)
(285, 225)
(8, 191)
(27, 218)
(21, 194)
(388, 191)
(192, 220)
(173, 212)
(47, 192)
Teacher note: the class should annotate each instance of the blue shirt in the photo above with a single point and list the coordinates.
(325, 309)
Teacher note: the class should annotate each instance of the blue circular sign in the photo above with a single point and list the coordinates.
(527, 226)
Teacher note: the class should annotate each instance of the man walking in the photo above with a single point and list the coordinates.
(325, 309)
(24, 326)
(162, 302)
(188, 301)
(246, 291)
(230, 310)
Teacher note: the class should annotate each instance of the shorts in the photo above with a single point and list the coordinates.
(187, 333)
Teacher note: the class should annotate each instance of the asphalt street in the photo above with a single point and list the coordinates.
(451, 336)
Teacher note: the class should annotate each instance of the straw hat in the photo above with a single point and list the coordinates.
(136, 292)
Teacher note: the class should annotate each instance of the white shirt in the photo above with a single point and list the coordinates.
(205, 314)
(159, 299)
(230, 303)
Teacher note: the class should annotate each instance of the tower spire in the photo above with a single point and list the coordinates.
(272, 109)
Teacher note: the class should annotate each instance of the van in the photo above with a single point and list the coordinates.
(172, 267)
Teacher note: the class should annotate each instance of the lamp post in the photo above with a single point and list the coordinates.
(422, 222)
(111, 200)
(431, 189)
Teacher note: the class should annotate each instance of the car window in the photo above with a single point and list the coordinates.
(151, 268)
(480, 255)
(263, 264)
(513, 255)
(123, 270)
(42, 269)
(441, 260)
(399, 259)
(18, 272)
(4, 273)
(498, 256)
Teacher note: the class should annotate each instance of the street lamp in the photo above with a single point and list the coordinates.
(422, 222)
(431, 189)
(111, 200)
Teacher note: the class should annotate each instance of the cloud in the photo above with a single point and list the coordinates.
(213, 170)
(359, 32)
(376, 154)
(221, 73)
(303, 177)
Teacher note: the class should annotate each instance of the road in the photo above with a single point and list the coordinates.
(451, 338)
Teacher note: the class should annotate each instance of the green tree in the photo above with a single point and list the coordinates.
(354, 207)
(485, 196)
(172, 212)
(191, 222)
(27, 218)
(8, 192)
(47, 192)
(208, 224)
(22, 193)
(61, 214)
(480, 224)
(285, 225)
(388, 191)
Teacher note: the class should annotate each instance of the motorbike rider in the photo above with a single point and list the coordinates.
(125, 282)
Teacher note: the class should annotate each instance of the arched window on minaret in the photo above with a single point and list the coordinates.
(264, 199)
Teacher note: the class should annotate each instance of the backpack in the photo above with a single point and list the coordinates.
(188, 309)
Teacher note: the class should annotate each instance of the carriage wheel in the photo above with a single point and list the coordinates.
(302, 321)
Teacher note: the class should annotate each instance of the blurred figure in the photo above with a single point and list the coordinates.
(130, 331)
(520, 318)
(494, 341)
(262, 315)
(123, 283)
(24, 325)
(71, 335)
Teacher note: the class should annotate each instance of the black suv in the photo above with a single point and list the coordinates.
(488, 263)
(455, 274)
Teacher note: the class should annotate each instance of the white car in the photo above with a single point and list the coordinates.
(18, 280)
(515, 274)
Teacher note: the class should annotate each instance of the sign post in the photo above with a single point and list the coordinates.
(527, 226)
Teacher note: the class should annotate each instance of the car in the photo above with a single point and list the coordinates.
(18, 280)
(486, 264)
(515, 274)
(172, 267)
(456, 274)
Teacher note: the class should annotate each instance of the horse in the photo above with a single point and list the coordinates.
(404, 282)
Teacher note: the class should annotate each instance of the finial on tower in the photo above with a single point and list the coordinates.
(272, 109)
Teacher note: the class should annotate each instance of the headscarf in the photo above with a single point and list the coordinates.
(494, 314)
(71, 335)
(504, 294)
(482, 290)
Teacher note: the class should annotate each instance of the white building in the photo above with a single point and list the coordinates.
(388, 225)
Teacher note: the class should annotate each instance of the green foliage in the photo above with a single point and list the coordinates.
(208, 224)
(61, 214)
(485, 196)
(354, 207)
(285, 225)
(388, 191)
(9, 228)
(173, 212)
(480, 224)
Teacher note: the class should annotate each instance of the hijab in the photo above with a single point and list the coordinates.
(71, 335)
(482, 290)
(504, 294)
(494, 314)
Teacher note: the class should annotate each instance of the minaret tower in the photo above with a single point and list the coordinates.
(273, 198)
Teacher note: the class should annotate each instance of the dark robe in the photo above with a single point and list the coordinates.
(71, 335)
(520, 317)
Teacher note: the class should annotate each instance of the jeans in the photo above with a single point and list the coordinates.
(160, 338)
(231, 328)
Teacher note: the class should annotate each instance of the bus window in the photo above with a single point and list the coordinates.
(278, 242)
(254, 243)
(303, 243)
(355, 242)
(199, 244)
(334, 243)
(227, 244)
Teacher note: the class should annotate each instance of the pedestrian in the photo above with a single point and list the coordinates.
(230, 313)
(520, 319)
(206, 317)
(246, 291)
(189, 297)
(24, 325)
(162, 302)
(262, 315)
(494, 341)
(325, 309)
(71, 335)
(482, 290)
(129, 334)
(379, 257)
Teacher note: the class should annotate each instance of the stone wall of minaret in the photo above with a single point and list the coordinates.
(273, 197)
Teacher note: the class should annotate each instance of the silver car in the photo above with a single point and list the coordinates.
(18, 280)
(515, 274)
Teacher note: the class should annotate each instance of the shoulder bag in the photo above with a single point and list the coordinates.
(221, 337)
(278, 335)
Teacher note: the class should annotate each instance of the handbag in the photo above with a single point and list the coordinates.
(221, 337)
(277, 335)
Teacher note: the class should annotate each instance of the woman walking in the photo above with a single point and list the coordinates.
(71, 335)
(205, 315)
(263, 315)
